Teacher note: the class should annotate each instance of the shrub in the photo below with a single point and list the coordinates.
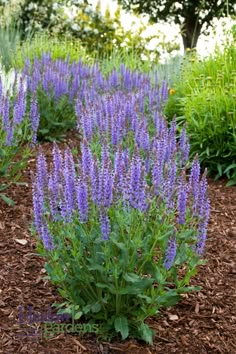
(123, 228)
(205, 99)
(119, 253)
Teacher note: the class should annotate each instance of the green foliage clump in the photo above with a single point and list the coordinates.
(56, 116)
(205, 97)
(121, 282)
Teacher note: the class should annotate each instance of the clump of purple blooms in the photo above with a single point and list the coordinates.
(117, 179)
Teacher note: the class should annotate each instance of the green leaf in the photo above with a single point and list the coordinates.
(146, 333)
(169, 298)
(44, 131)
(96, 308)
(132, 277)
(121, 325)
(7, 200)
(219, 168)
(232, 182)
(78, 315)
(232, 166)
(136, 287)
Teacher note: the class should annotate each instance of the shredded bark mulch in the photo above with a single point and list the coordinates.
(204, 322)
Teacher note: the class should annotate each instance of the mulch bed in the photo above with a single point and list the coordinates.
(204, 322)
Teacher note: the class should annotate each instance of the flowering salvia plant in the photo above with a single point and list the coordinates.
(59, 84)
(122, 231)
(19, 121)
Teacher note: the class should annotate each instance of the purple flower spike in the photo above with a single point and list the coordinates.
(20, 104)
(94, 178)
(34, 117)
(202, 228)
(202, 194)
(135, 179)
(82, 200)
(46, 237)
(69, 182)
(182, 200)
(170, 253)
(106, 179)
(194, 182)
(5, 112)
(38, 201)
(42, 171)
(10, 135)
(170, 184)
(86, 159)
(105, 225)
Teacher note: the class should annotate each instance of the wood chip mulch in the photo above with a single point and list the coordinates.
(204, 322)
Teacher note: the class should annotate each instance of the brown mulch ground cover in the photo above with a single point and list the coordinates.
(204, 322)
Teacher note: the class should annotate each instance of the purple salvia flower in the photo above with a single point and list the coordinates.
(35, 79)
(194, 182)
(46, 237)
(126, 158)
(86, 159)
(182, 200)
(82, 200)
(202, 196)
(34, 117)
(156, 119)
(119, 166)
(5, 113)
(105, 225)
(142, 136)
(142, 200)
(94, 178)
(57, 164)
(164, 91)
(53, 197)
(42, 171)
(170, 184)
(157, 174)
(202, 228)
(170, 253)
(78, 111)
(10, 135)
(65, 214)
(135, 179)
(87, 125)
(115, 130)
(105, 182)
(19, 104)
(69, 182)
(38, 202)
(105, 153)
(172, 140)
(134, 121)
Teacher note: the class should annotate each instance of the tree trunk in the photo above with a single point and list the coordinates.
(191, 33)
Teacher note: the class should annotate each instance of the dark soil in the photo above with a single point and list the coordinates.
(204, 322)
